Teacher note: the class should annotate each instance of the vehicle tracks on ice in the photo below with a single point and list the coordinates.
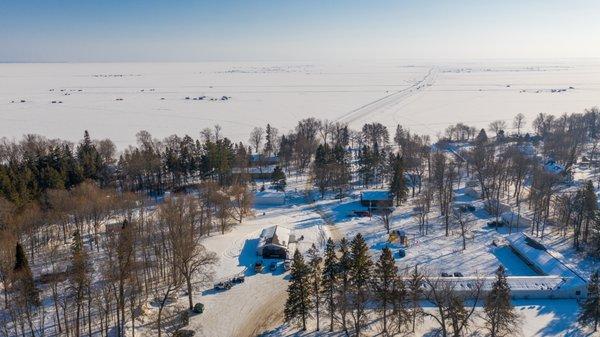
(388, 101)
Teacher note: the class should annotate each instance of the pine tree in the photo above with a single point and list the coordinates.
(590, 206)
(499, 314)
(340, 170)
(298, 305)
(278, 179)
(360, 278)
(365, 165)
(481, 137)
(590, 308)
(345, 265)
(321, 169)
(89, 158)
(23, 281)
(314, 263)
(79, 277)
(384, 275)
(399, 294)
(329, 281)
(415, 291)
(398, 186)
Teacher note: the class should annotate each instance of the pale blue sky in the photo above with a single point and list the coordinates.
(152, 30)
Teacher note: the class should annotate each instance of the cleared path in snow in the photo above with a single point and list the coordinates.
(388, 101)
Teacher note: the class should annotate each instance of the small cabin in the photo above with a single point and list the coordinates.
(376, 199)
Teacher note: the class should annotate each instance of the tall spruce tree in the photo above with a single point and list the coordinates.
(321, 168)
(345, 265)
(329, 281)
(23, 282)
(400, 313)
(415, 292)
(79, 277)
(278, 179)
(366, 165)
(384, 275)
(590, 308)
(314, 262)
(89, 158)
(360, 276)
(500, 316)
(298, 305)
(398, 186)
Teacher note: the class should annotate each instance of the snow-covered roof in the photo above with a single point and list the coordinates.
(516, 283)
(378, 195)
(270, 194)
(548, 262)
(276, 235)
(255, 169)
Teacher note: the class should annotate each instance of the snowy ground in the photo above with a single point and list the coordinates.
(425, 97)
(256, 305)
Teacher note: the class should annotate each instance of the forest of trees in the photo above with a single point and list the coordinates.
(77, 220)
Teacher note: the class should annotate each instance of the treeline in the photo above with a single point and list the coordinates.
(352, 293)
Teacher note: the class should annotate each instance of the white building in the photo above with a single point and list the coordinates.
(556, 279)
(515, 220)
(269, 197)
(567, 282)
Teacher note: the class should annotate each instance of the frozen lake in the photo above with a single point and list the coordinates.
(116, 100)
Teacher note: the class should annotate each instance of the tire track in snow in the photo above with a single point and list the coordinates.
(388, 100)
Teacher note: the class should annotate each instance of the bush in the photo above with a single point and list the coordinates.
(198, 308)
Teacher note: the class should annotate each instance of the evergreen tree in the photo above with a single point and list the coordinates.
(278, 179)
(340, 170)
(384, 275)
(366, 166)
(399, 297)
(314, 263)
(269, 141)
(499, 314)
(89, 158)
(345, 265)
(298, 305)
(321, 168)
(590, 308)
(398, 183)
(415, 291)
(590, 206)
(23, 282)
(329, 281)
(481, 137)
(360, 276)
(79, 276)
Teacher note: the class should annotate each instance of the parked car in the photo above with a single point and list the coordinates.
(458, 274)
(467, 208)
(444, 274)
(273, 266)
(258, 266)
(361, 214)
(287, 264)
(494, 223)
(238, 279)
(226, 285)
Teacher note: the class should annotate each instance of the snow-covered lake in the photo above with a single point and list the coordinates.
(116, 100)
